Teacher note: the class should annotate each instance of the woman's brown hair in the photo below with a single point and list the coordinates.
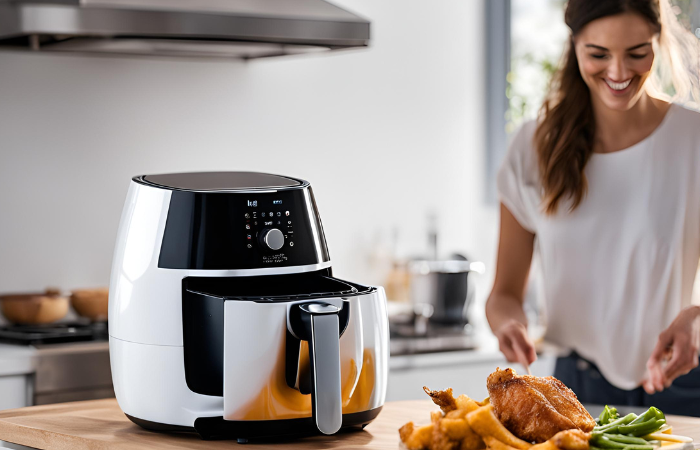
(566, 130)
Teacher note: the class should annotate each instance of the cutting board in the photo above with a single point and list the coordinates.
(101, 425)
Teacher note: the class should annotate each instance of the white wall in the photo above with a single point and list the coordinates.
(383, 134)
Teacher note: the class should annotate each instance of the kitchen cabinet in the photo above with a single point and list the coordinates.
(16, 368)
(50, 373)
(15, 391)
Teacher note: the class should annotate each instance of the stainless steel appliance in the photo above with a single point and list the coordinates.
(225, 318)
(202, 28)
(70, 361)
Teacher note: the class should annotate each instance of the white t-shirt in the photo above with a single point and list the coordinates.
(617, 270)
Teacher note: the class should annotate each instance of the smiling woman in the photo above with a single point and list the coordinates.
(605, 188)
(610, 66)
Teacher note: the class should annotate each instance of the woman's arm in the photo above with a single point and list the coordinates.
(504, 308)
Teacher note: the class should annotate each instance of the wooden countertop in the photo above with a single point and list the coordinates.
(100, 424)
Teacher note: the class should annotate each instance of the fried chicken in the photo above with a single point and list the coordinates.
(535, 408)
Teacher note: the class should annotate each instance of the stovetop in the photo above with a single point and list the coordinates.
(406, 339)
(54, 333)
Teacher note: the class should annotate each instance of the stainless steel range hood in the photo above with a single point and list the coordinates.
(204, 28)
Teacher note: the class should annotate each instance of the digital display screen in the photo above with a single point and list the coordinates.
(253, 203)
(276, 202)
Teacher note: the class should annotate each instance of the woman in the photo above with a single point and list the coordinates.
(605, 188)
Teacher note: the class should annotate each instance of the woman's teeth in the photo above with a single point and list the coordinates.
(618, 86)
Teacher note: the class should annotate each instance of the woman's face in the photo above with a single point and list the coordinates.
(615, 57)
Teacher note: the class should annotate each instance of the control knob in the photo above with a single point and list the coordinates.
(272, 238)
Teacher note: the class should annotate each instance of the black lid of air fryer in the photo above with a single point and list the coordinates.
(239, 221)
(219, 181)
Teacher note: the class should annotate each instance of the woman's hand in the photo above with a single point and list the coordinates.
(515, 343)
(676, 351)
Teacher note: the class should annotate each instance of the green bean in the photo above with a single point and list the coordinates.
(649, 423)
(659, 414)
(626, 439)
(641, 429)
(657, 426)
(604, 442)
(621, 421)
(609, 444)
(643, 417)
(652, 412)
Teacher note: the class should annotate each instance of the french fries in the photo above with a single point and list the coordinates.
(448, 428)
(465, 403)
(494, 444)
(546, 445)
(485, 423)
(416, 438)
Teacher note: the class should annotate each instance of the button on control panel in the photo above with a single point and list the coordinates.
(272, 238)
(273, 232)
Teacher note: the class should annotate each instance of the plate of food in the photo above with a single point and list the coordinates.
(525, 412)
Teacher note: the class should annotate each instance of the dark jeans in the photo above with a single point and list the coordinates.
(583, 377)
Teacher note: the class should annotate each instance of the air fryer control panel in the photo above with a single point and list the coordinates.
(269, 225)
(225, 231)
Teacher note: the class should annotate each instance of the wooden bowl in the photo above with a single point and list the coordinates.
(33, 309)
(91, 303)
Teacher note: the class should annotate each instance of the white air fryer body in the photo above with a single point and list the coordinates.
(200, 332)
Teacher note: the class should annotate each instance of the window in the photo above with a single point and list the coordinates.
(538, 39)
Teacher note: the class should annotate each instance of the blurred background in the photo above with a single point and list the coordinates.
(400, 140)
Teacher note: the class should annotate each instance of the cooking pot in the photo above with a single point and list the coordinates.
(91, 303)
(442, 291)
(34, 309)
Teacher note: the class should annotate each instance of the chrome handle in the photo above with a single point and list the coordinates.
(324, 356)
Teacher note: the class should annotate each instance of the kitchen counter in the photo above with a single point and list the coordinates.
(100, 424)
